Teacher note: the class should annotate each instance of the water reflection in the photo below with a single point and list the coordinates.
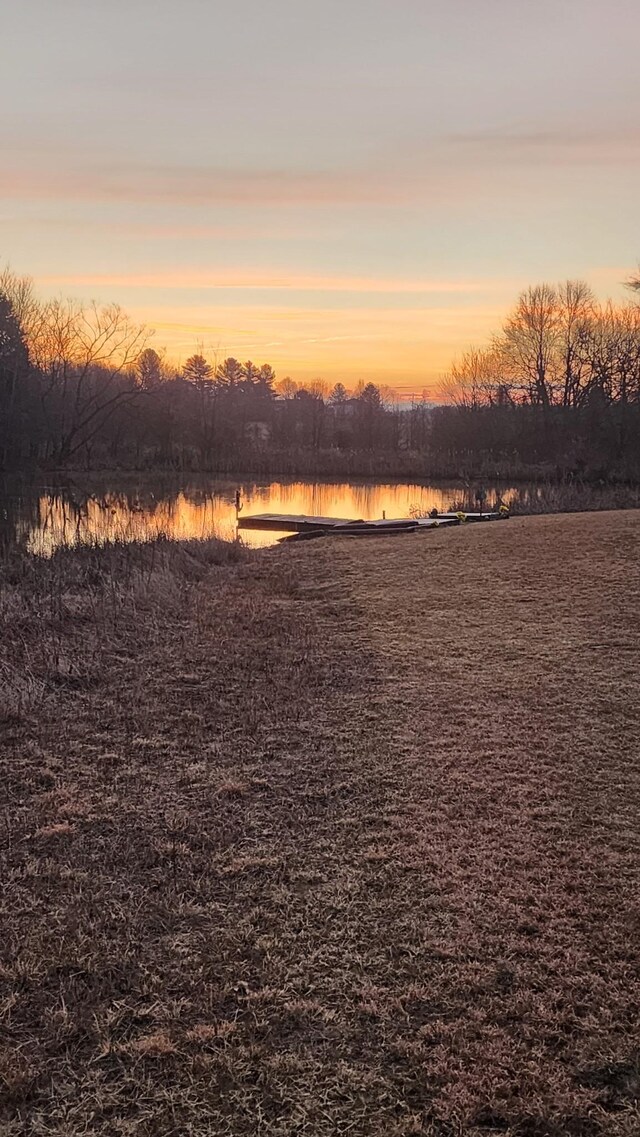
(44, 519)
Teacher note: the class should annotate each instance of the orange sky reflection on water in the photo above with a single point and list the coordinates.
(202, 513)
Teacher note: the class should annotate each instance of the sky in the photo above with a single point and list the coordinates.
(347, 189)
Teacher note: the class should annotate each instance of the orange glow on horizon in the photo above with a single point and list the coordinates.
(407, 349)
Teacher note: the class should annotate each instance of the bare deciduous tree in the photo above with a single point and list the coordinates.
(577, 310)
(85, 355)
(477, 378)
(530, 341)
(634, 282)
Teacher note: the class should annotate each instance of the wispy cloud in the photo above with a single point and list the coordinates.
(265, 281)
(209, 186)
(567, 144)
(160, 230)
(420, 170)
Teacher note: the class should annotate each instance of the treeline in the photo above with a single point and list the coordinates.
(557, 392)
(80, 386)
(558, 388)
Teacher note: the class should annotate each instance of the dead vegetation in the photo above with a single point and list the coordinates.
(63, 618)
(573, 497)
(338, 839)
(551, 497)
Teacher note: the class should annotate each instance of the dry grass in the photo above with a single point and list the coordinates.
(63, 618)
(556, 497)
(575, 497)
(341, 839)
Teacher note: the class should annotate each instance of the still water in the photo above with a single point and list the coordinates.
(42, 517)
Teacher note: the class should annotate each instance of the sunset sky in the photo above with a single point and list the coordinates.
(352, 189)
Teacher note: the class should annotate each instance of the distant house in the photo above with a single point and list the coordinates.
(257, 431)
(348, 407)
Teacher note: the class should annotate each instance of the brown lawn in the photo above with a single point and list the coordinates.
(340, 840)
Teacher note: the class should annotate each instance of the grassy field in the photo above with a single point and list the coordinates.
(341, 838)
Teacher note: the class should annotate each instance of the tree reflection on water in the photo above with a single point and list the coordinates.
(42, 518)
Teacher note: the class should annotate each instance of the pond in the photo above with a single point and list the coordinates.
(42, 516)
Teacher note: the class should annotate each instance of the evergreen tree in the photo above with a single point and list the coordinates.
(14, 365)
(196, 370)
(338, 396)
(230, 374)
(149, 369)
(266, 381)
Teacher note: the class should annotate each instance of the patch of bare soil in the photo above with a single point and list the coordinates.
(342, 839)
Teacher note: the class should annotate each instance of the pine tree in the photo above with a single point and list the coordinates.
(197, 371)
(339, 395)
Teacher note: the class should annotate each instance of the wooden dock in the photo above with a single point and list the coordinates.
(290, 523)
(355, 527)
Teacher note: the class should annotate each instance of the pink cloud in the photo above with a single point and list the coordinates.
(205, 186)
(439, 170)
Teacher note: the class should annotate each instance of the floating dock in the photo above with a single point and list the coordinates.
(290, 523)
(301, 524)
